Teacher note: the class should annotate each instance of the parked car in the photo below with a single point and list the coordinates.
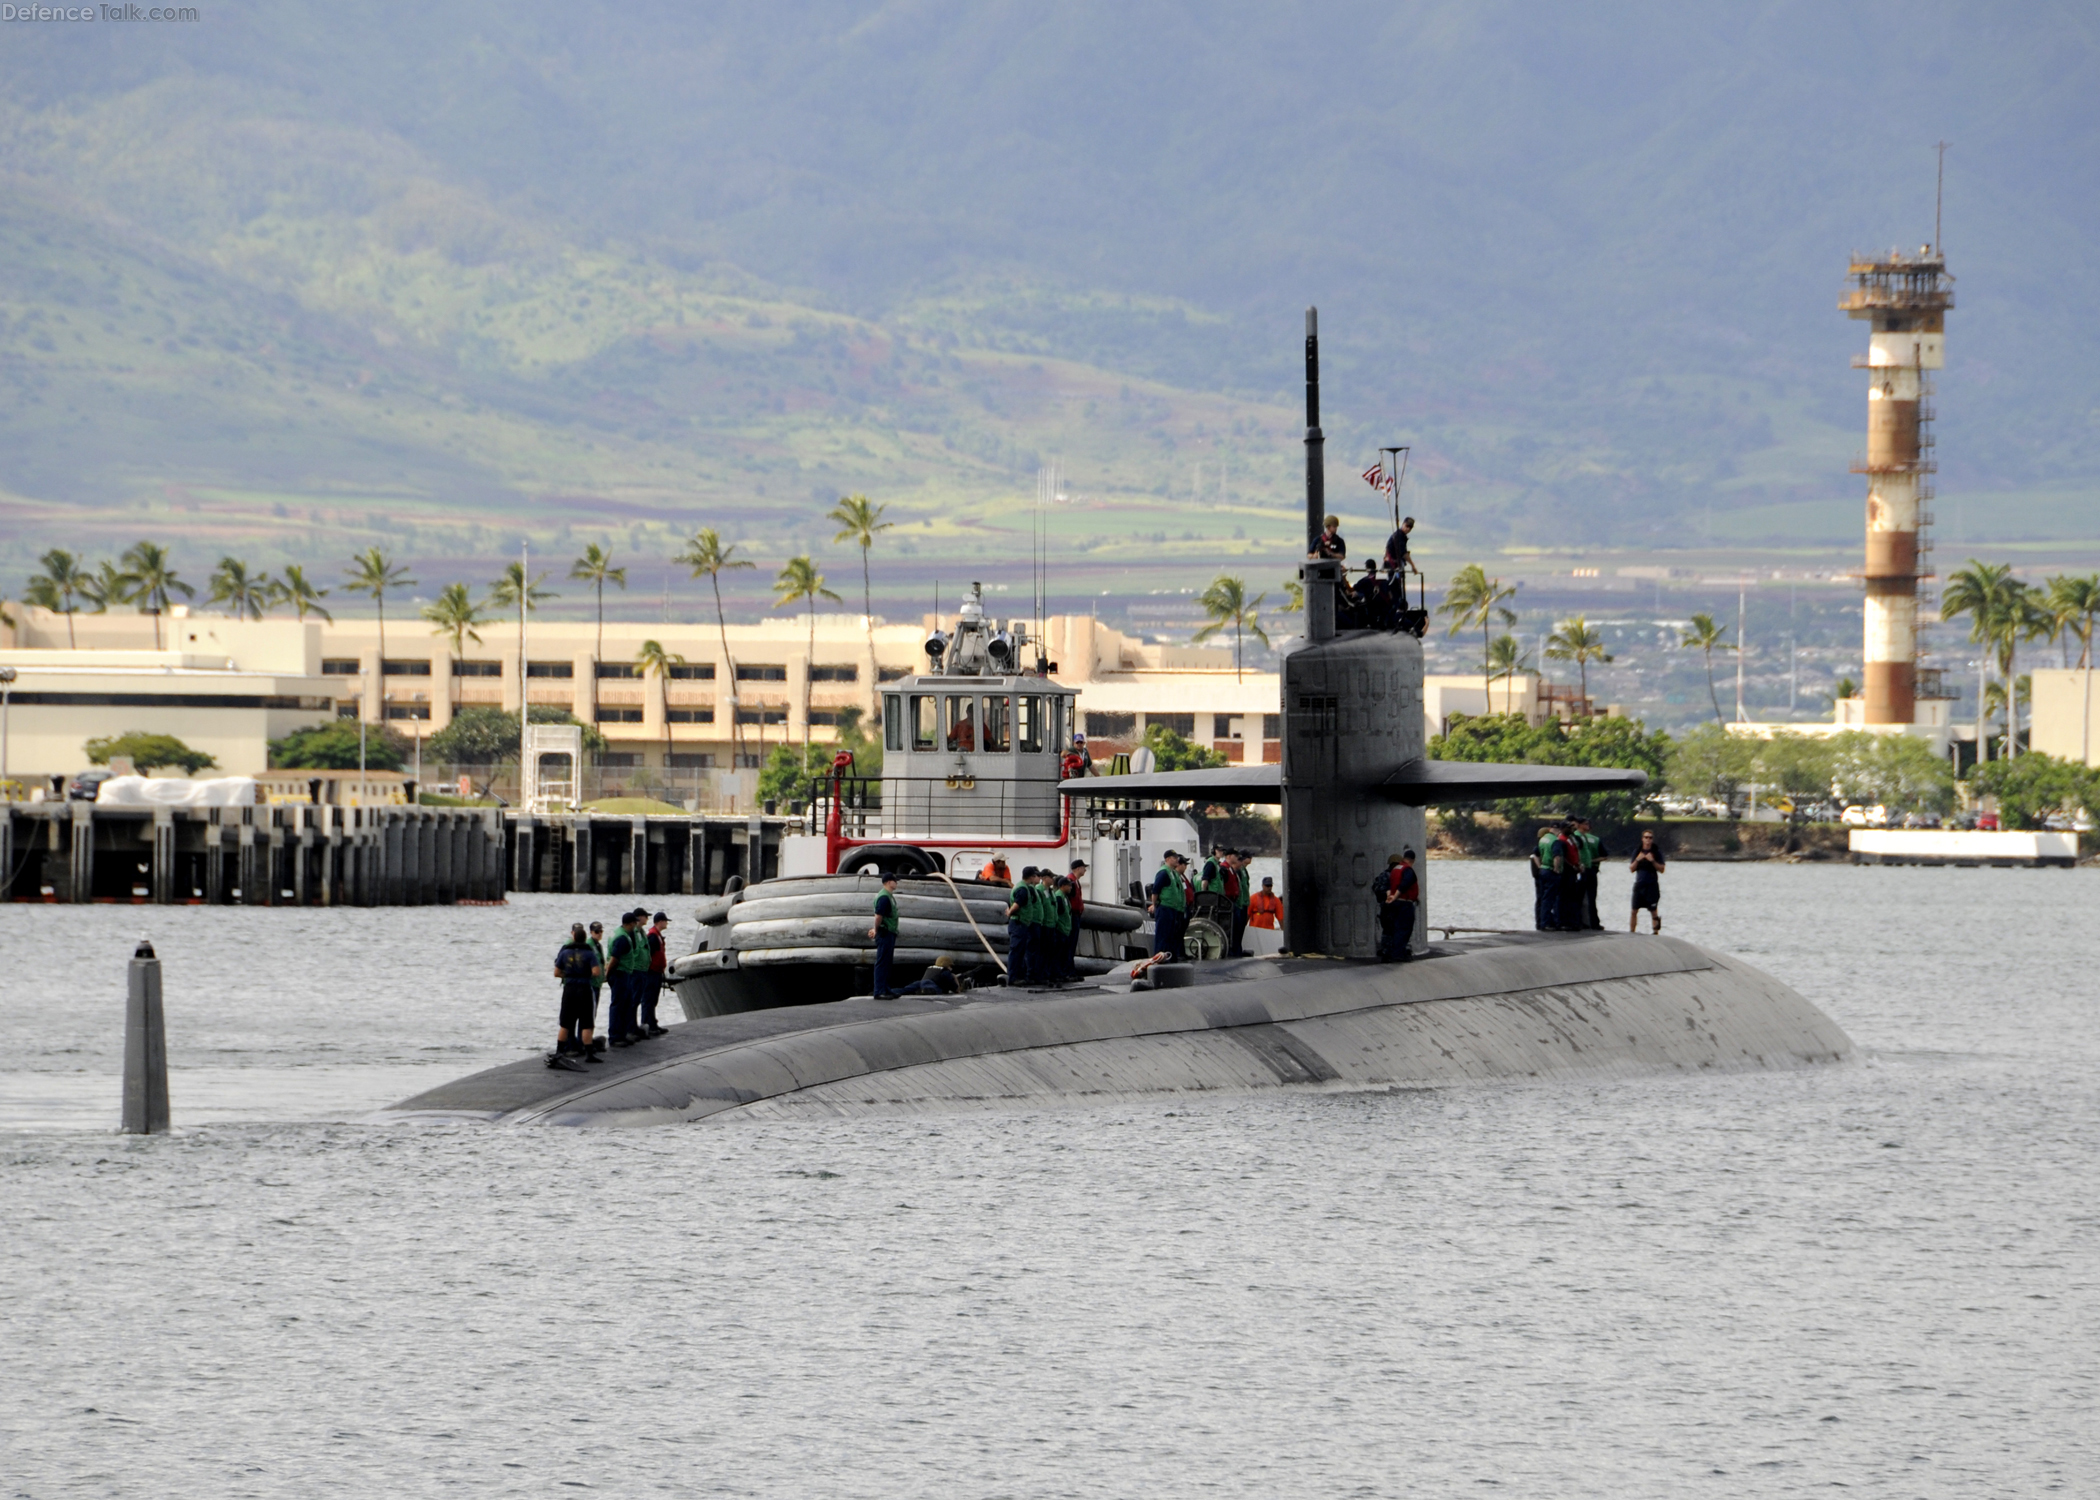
(82, 788)
(1857, 816)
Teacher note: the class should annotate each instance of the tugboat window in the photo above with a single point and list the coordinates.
(925, 723)
(962, 723)
(1028, 724)
(997, 729)
(893, 723)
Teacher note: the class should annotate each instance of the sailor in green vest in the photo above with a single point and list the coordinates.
(884, 932)
(629, 961)
(1058, 912)
(1020, 930)
(1168, 903)
(1241, 900)
(604, 972)
(1592, 849)
(1545, 876)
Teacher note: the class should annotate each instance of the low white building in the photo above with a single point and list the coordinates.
(221, 687)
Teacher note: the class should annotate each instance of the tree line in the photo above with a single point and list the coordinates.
(145, 576)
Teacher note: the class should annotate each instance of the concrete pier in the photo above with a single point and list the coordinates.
(319, 855)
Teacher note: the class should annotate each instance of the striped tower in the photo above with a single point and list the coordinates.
(1905, 298)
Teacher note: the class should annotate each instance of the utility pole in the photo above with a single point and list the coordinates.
(1742, 591)
(524, 687)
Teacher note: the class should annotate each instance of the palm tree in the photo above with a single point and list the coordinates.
(454, 613)
(511, 589)
(1505, 660)
(1293, 596)
(1704, 635)
(858, 520)
(110, 586)
(1573, 640)
(800, 583)
(248, 593)
(710, 559)
(1981, 591)
(2022, 619)
(293, 589)
(595, 568)
(653, 658)
(2072, 603)
(373, 572)
(154, 581)
(1473, 598)
(1226, 603)
(62, 581)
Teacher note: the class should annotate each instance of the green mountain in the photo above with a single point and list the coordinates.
(298, 276)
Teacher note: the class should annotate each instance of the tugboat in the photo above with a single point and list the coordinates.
(974, 749)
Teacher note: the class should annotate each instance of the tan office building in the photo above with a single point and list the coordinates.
(300, 674)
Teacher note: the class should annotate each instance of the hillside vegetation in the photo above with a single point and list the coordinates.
(451, 275)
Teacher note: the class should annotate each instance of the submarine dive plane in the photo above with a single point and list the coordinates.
(779, 1024)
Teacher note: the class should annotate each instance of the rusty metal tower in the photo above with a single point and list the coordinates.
(1905, 298)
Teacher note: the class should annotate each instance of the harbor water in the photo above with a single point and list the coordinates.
(1881, 1278)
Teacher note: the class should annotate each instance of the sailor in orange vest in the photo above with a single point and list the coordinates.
(1265, 907)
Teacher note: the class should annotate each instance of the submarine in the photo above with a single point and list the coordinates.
(769, 1034)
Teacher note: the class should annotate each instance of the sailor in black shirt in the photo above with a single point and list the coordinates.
(1397, 562)
(1330, 546)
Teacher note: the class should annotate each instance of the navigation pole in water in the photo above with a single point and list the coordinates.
(1315, 440)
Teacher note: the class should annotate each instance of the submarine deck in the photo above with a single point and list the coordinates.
(1512, 1006)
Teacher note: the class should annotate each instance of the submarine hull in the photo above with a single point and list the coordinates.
(1522, 1006)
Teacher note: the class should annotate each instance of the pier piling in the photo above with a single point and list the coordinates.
(145, 1048)
(304, 854)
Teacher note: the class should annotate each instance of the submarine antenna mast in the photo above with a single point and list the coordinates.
(1315, 440)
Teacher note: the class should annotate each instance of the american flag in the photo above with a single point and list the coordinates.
(1377, 478)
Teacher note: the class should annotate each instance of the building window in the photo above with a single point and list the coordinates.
(403, 668)
(1111, 726)
(761, 674)
(1272, 726)
(477, 669)
(620, 669)
(698, 671)
(823, 718)
(692, 716)
(1182, 724)
(750, 762)
(550, 669)
(339, 666)
(408, 710)
(892, 674)
(680, 760)
(619, 760)
(619, 715)
(347, 709)
(998, 725)
(834, 674)
(925, 723)
(761, 716)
